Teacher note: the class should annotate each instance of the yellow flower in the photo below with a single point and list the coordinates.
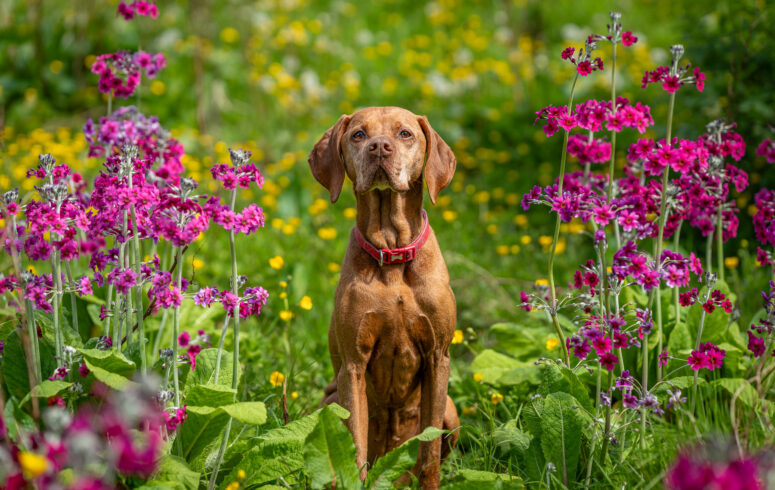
(541, 282)
(197, 264)
(492, 228)
(349, 213)
(525, 239)
(241, 475)
(286, 315)
(306, 303)
(502, 249)
(327, 233)
(496, 398)
(289, 229)
(283, 284)
(333, 267)
(545, 240)
(514, 249)
(276, 378)
(158, 87)
(32, 464)
(520, 220)
(283, 295)
(458, 337)
(229, 35)
(233, 486)
(478, 377)
(552, 343)
(449, 215)
(469, 410)
(276, 262)
(294, 395)
(731, 262)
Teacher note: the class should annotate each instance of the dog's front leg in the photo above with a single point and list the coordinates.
(355, 346)
(432, 408)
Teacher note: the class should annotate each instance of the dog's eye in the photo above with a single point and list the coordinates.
(359, 135)
(405, 134)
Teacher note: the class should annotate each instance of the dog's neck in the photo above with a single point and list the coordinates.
(389, 219)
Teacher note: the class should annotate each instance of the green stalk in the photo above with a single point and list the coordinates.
(73, 302)
(709, 253)
(607, 423)
(552, 289)
(220, 350)
(235, 355)
(613, 133)
(719, 244)
(657, 253)
(107, 307)
(33, 333)
(676, 241)
(175, 327)
(697, 346)
(138, 287)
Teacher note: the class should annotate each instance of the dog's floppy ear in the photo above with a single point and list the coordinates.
(325, 159)
(439, 160)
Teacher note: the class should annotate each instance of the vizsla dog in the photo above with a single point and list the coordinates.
(394, 312)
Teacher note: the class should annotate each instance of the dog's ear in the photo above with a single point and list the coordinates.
(325, 159)
(439, 160)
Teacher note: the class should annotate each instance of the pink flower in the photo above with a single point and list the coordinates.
(699, 79)
(671, 84)
(628, 39)
(584, 68)
(525, 305)
(663, 358)
(567, 53)
(609, 360)
(183, 339)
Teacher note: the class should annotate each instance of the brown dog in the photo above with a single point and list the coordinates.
(394, 311)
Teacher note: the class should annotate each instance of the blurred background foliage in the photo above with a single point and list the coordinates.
(271, 76)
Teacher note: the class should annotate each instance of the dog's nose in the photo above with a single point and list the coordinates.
(380, 147)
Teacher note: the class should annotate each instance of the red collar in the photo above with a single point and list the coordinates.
(396, 255)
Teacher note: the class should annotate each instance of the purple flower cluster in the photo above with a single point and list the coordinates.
(139, 7)
(693, 472)
(708, 356)
(120, 73)
(766, 149)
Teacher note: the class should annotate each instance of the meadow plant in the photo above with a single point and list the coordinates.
(615, 299)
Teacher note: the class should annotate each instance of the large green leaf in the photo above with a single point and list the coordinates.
(15, 418)
(46, 389)
(15, 364)
(204, 372)
(520, 341)
(559, 378)
(111, 361)
(113, 380)
(394, 464)
(492, 365)
(746, 393)
(510, 439)
(561, 427)
(715, 326)
(277, 453)
(532, 412)
(530, 374)
(329, 453)
(679, 345)
(173, 473)
(210, 395)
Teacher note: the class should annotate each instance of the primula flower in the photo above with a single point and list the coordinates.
(663, 358)
(707, 357)
(766, 150)
(628, 39)
(609, 360)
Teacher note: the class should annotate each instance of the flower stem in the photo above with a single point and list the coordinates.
(175, 327)
(552, 289)
(220, 350)
(697, 346)
(709, 253)
(235, 354)
(613, 133)
(719, 244)
(73, 302)
(138, 289)
(33, 333)
(676, 241)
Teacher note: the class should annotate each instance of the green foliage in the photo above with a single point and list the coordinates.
(394, 464)
(329, 453)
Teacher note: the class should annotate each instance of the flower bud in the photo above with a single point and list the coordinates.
(676, 51)
(239, 157)
(11, 196)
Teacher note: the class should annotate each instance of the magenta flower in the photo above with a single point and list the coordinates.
(628, 39)
(663, 358)
(184, 339)
(766, 149)
(755, 344)
(608, 360)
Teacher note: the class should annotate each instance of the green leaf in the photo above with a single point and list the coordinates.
(15, 364)
(210, 395)
(204, 372)
(113, 380)
(682, 382)
(747, 393)
(394, 464)
(478, 478)
(519, 340)
(251, 413)
(329, 453)
(561, 426)
(510, 439)
(277, 453)
(532, 412)
(47, 389)
(174, 473)
(715, 326)
(16, 418)
(492, 365)
(110, 360)
(530, 374)
(559, 378)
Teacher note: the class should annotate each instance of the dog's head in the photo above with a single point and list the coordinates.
(382, 148)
